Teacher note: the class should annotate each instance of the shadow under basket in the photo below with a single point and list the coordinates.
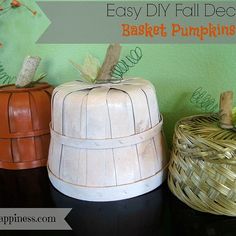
(202, 170)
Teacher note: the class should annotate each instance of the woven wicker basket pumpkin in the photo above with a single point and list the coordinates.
(202, 171)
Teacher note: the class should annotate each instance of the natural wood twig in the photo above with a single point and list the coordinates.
(111, 59)
(226, 105)
(27, 72)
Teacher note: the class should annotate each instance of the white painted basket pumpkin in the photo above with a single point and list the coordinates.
(106, 140)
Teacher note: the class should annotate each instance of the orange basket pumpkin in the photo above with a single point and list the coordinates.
(24, 126)
(25, 114)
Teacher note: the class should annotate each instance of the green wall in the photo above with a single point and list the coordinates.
(175, 70)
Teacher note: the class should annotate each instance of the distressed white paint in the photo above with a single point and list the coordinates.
(106, 140)
(112, 193)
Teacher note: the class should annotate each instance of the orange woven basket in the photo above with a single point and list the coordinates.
(24, 126)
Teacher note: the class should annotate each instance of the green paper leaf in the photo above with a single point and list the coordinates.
(89, 70)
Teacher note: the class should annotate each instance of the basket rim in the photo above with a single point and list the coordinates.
(190, 118)
(11, 88)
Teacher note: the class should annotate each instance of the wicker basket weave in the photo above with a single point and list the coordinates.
(202, 170)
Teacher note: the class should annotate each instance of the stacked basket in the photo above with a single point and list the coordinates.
(25, 116)
(106, 139)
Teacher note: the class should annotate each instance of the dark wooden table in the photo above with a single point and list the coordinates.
(156, 213)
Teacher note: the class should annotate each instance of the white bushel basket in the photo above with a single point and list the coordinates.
(106, 140)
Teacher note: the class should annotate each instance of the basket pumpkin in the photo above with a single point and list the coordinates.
(107, 142)
(202, 171)
(25, 116)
